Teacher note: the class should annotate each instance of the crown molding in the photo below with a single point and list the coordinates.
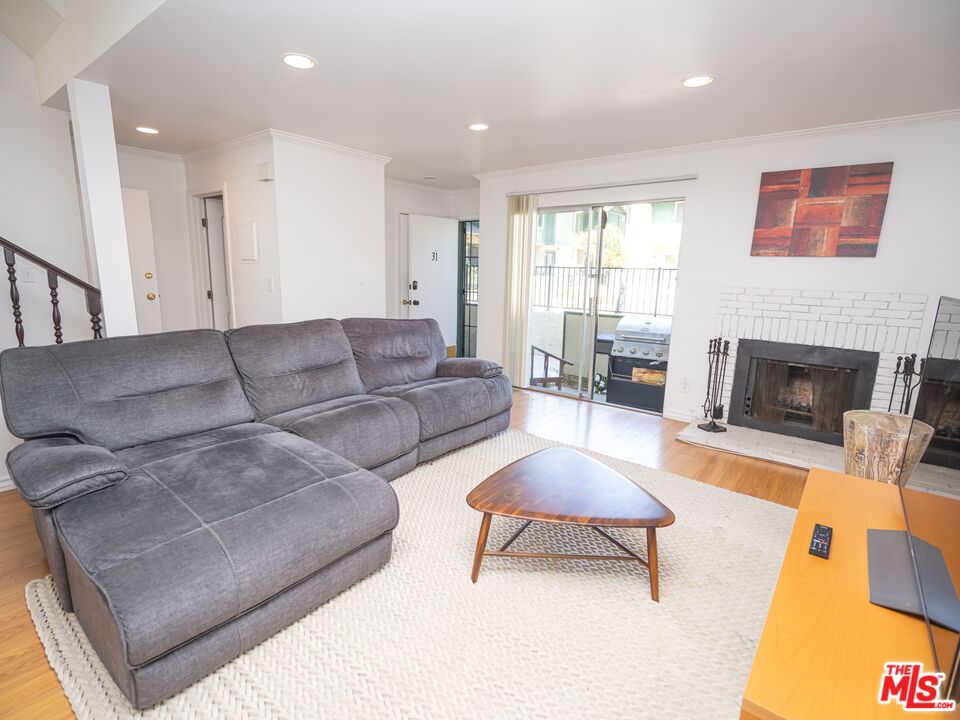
(445, 192)
(271, 135)
(305, 141)
(244, 141)
(149, 154)
(934, 118)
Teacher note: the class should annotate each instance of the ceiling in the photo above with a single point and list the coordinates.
(30, 23)
(555, 79)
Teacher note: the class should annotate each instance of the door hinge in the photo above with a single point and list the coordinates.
(209, 294)
(203, 222)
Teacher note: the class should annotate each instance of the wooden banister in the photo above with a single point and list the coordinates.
(92, 295)
(547, 357)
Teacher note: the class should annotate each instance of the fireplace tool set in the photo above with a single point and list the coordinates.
(906, 379)
(717, 354)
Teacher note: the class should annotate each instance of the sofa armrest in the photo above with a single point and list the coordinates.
(50, 471)
(468, 368)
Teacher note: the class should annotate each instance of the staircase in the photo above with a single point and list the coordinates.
(54, 275)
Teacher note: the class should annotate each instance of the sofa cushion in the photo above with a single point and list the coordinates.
(289, 366)
(123, 391)
(447, 404)
(50, 471)
(394, 352)
(365, 429)
(190, 541)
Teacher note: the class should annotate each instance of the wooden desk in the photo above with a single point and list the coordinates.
(823, 645)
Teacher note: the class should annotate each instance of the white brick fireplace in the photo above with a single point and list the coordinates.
(886, 323)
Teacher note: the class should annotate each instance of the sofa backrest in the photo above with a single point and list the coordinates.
(395, 352)
(123, 391)
(289, 366)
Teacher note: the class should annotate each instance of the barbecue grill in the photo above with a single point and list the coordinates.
(638, 362)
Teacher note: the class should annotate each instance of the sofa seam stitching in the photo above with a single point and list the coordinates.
(223, 549)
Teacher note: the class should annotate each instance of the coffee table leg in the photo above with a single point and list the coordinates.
(481, 545)
(652, 560)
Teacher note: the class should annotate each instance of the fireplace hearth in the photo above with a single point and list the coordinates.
(800, 390)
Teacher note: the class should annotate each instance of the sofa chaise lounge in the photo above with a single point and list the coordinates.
(195, 492)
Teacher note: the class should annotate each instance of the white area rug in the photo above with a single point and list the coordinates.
(532, 639)
(803, 453)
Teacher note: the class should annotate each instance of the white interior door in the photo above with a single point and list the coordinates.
(143, 260)
(216, 263)
(432, 272)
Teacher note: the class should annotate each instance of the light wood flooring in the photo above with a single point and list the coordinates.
(29, 688)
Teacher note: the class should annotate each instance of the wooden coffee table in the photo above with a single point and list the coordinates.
(559, 485)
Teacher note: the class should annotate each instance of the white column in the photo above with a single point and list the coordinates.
(99, 176)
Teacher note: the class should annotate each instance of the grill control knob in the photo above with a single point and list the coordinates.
(659, 354)
(646, 352)
(620, 348)
(633, 351)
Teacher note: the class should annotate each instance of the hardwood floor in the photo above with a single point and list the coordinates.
(651, 440)
(29, 688)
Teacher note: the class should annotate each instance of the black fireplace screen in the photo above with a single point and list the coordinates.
(808, 395)
(800, 390)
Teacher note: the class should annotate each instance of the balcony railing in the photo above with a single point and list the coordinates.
(643, 291)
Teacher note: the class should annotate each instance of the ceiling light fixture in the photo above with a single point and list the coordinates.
(147, 130)
(695, 81)
(430, 177)
(478, 127)
(299, 61)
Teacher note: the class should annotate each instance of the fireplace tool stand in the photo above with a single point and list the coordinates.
(906, 378)
(717, 353)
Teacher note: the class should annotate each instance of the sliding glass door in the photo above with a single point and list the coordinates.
(563, 303)
(593, 266)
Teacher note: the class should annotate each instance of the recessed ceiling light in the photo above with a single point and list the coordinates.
(299, 61)
(147, 130)
(695, 81)
(478, 127)
(430, 177)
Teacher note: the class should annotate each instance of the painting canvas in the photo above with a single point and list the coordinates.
(822, 212)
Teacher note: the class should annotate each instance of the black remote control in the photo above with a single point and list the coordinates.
(820, 542)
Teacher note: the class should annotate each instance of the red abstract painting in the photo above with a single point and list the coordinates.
(822, 212)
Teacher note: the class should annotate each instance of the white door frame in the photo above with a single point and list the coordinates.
(198, 259)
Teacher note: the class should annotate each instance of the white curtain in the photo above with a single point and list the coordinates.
(522, 219)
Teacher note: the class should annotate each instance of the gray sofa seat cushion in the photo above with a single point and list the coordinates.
(468, 367)
(394, 352)
(289, 366)
(448, 404)
(123, 391)
(365, 429)
(50, 471)
(189, 542)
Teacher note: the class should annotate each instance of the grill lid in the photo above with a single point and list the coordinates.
(644, 328)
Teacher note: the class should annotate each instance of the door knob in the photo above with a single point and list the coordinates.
(151, 296)
(148, 275)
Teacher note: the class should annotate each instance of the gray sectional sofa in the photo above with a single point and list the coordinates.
(195, 492)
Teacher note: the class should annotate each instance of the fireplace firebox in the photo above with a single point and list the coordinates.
(938, 405)
(800, 390)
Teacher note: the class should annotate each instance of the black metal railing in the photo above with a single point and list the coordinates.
(643, 291)
(92, 295)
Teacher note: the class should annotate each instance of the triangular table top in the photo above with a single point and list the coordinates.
(564, 486)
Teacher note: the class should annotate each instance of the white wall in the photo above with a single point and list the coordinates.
(231, 168)
(330, 226)
(410, 198)
(919, 251)
(165, 180)
(39, 206)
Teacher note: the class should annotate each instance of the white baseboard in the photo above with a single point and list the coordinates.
(5, 483)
